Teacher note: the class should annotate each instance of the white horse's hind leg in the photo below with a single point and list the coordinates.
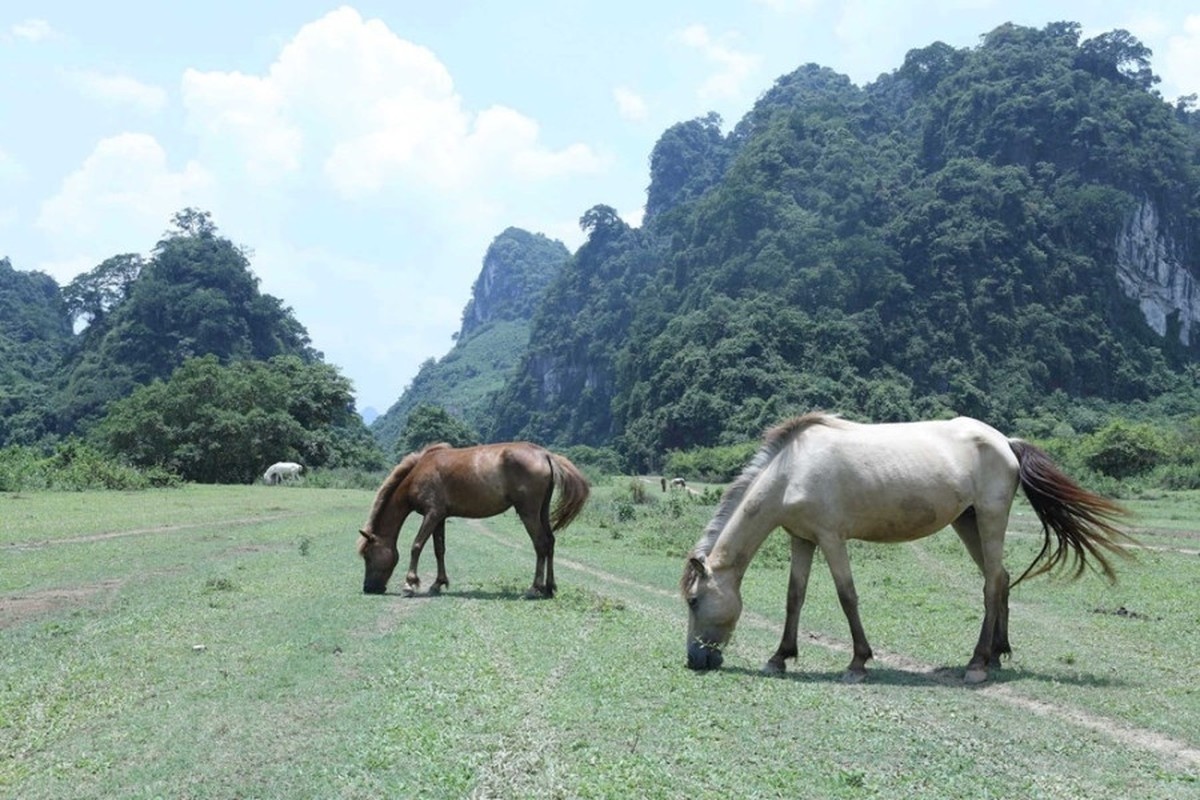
(984, 540)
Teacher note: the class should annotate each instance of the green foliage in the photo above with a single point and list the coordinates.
(35, 335)
(225, 424)
(939, 242)
(495, 331)
(1122, 450)
(429, 424)
(195, 296)
(73, 466)
(712, 464)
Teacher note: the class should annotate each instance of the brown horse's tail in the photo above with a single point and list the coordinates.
(1082, 521)
(573, 491)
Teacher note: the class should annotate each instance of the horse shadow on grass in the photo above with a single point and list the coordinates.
(949, 677)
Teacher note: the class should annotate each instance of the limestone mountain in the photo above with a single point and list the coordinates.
(517, 268)
(1006, 231)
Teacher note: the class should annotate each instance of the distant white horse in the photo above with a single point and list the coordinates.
(277, 472)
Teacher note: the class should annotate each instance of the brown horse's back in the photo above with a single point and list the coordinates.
(476, 482)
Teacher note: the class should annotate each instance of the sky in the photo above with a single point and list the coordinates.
(367, 154)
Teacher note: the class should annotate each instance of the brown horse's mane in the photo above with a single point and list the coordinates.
(394, 479)
(774, 441)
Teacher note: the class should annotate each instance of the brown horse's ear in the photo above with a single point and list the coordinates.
(370, 537)
(701, 566)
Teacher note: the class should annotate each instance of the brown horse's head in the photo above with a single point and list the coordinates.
(714, 605)
(380, 556)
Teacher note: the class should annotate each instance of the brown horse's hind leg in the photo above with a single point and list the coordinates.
(429, 524)
(537, 525)
(839, 565)
(802, 558)
(439, 552)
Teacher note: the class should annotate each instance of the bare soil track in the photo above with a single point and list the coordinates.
(1144, 739)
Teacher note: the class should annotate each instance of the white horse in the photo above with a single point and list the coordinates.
(826, 480)
(281, 470)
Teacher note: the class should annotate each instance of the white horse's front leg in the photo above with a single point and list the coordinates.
(802, 558)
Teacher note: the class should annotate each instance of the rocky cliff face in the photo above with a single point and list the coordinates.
(516, 270)
(1151, 271)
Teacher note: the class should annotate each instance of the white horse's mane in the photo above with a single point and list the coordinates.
(773, 442)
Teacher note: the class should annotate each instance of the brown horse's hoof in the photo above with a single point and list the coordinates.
(437, 588)
(408, 591)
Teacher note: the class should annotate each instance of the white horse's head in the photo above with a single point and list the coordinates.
(714, 605)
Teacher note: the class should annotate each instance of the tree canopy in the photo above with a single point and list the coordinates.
(940, 241)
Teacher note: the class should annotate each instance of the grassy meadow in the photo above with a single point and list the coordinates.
(212, 642)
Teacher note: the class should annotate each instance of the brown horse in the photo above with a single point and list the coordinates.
(826, 480)
(441, 481)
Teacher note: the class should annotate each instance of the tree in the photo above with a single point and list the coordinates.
(93, 294)
(429, 424)
(1119, 55)
(195, 296)
(224, 424)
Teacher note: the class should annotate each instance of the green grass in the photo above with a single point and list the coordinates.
(212, 642)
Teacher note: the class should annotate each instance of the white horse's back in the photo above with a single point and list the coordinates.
(282, 469)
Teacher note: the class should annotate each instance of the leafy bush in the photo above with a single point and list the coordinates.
(1122, 449)
(74, 466)
(715, 464)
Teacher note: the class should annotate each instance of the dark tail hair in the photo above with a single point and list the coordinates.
(1083, 522)
(573, 488)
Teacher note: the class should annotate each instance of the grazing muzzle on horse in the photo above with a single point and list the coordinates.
(713, 611)
(380, 561)
(704, 655)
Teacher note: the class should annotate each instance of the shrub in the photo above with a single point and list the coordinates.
(1122, 449)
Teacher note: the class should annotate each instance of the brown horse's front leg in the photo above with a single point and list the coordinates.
(802, 558)
(429, 524)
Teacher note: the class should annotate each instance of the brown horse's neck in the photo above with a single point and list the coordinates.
(388, 520)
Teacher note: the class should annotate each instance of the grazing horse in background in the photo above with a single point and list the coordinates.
(277, 472)
(441, 481)
(826, 480)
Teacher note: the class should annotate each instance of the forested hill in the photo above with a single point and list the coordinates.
(517, 268)
(1009, 231)
(35, 335)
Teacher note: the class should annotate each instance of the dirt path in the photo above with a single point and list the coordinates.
(17, 608)
(100, 537)
(1183, 753)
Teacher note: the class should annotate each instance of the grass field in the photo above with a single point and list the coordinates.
(212, 642)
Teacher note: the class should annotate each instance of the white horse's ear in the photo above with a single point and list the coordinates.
(701, 566)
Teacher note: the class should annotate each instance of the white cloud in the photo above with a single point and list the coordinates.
(244, 115)
(371, 110)
(120, 90)
(630, 104)
(733, 67)
(10, 170)
(1181, 60)
(121, 198)
(33, 30)
(784, 6)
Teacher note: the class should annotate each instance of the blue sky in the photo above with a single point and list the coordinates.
(367, 154)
